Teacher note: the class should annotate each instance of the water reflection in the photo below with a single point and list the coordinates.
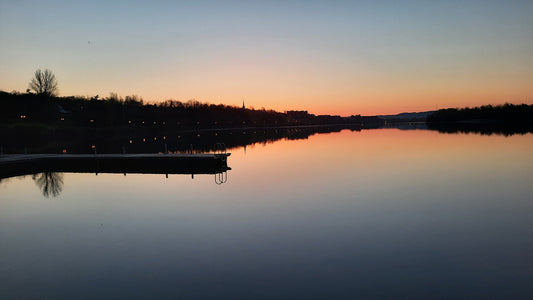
(377, 214)
(482, 129)
(202, 141)
(221, 178)
(50, 183)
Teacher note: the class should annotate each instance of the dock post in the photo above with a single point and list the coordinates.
(166, 148)
(25, 150)
(1, 150)
(191, 148)
(123, 149)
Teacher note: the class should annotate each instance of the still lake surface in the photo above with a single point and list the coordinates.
(371, 214)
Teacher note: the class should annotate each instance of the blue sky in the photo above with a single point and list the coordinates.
(337, 57)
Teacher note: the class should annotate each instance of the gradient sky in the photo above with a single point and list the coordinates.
(327, 57)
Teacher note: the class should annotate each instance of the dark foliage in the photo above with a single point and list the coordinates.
(132, 112)
(488, 114)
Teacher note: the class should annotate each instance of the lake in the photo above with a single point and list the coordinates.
(367, 214)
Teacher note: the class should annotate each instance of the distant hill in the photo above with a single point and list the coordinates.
(407, 116)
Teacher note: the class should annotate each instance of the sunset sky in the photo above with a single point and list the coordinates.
(327, 57)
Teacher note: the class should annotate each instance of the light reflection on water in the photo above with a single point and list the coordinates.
(370, 214)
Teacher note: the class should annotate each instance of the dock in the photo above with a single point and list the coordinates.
(28, 164)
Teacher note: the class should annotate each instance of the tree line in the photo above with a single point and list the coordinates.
(503, 114)
(132, 111)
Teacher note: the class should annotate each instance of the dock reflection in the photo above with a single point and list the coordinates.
(47, 169)
(51, 183)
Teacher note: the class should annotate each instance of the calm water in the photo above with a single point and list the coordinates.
(375, 214)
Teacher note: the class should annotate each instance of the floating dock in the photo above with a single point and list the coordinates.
(27, 164)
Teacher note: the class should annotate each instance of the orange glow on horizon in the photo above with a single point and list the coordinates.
(351, 101)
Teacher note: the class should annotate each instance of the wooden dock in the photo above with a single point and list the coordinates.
(27, 164)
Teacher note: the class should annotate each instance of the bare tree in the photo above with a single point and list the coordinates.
(44, 83)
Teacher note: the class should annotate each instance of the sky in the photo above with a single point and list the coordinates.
(326, 57)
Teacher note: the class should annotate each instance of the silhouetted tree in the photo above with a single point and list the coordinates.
(44, 83)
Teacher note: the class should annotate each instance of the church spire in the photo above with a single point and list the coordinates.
(243, 107)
